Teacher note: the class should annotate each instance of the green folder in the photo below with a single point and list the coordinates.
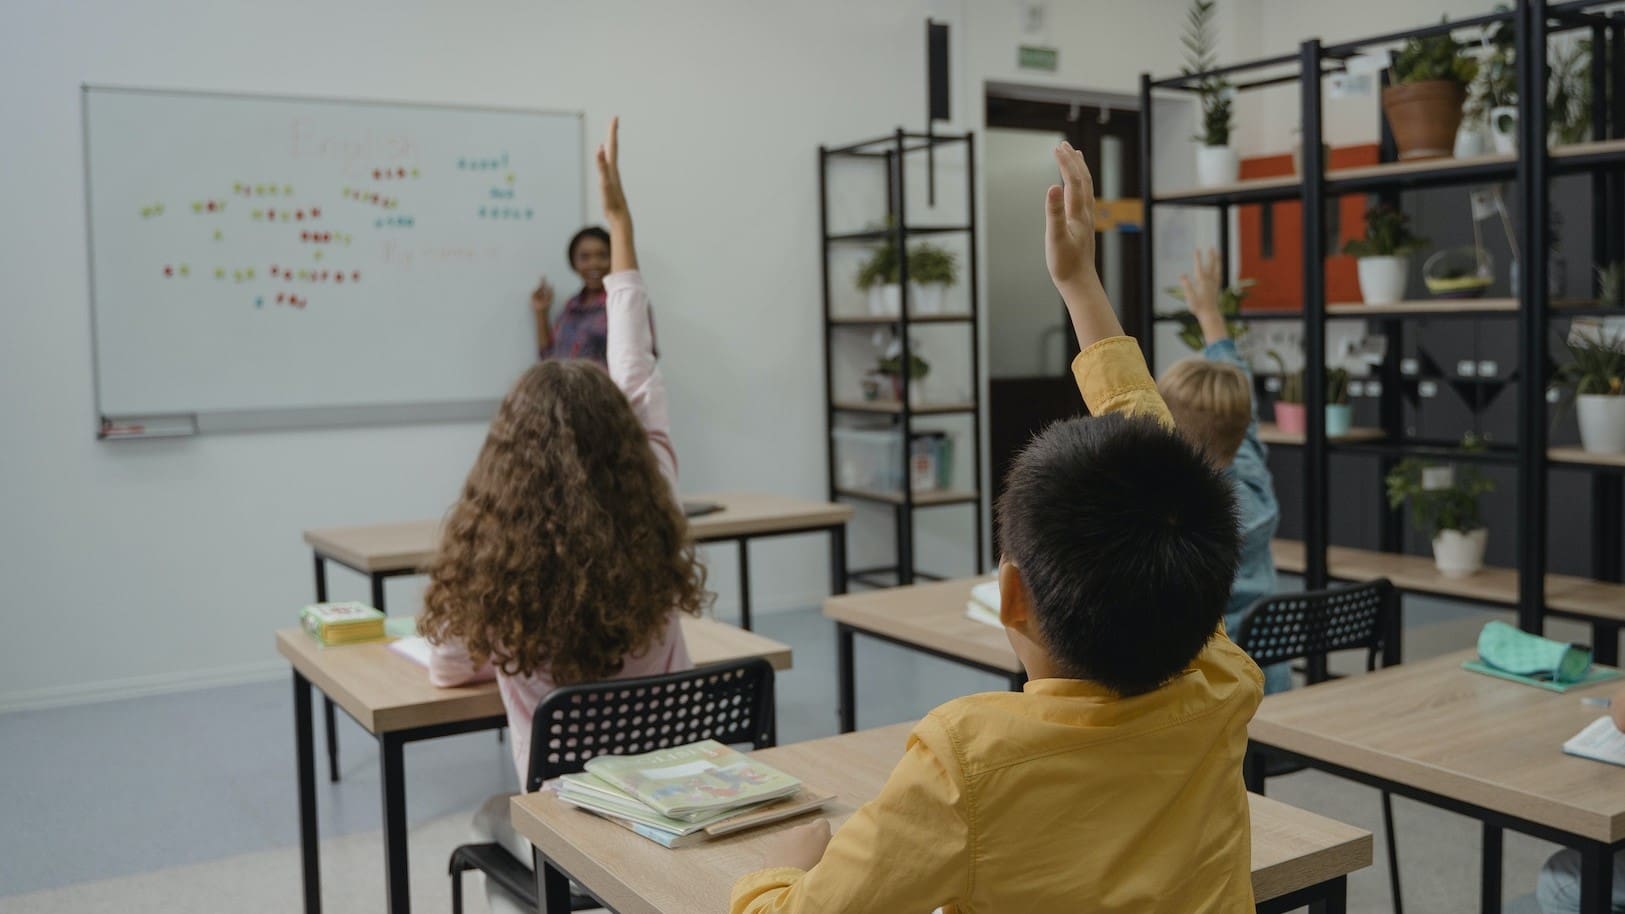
(1594, 675)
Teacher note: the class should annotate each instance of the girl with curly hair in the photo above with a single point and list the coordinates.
(567, 557)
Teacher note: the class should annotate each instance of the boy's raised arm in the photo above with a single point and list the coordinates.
(1110, 369)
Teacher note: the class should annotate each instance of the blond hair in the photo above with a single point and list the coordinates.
(1211, 404)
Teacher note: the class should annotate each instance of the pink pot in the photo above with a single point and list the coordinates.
(1291, 418)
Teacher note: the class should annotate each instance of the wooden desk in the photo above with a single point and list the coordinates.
(1298, 857)
(391, 698)
(383, 551)
(929, 618)
(1472, 744)
(1600, 603)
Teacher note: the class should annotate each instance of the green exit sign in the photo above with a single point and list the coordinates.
(1034, 58)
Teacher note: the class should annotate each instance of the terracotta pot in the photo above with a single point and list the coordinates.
(1423, 117)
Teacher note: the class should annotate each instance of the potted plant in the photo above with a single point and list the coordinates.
(931, 270)
(1383, 261)
(878, 275)
(1494, 98)
(891, 366)
(1339, 414)
(1424, 103)
(1444, 502)
(1230, 299)
(1595, 381)
(1216, 162)
(1291, 416)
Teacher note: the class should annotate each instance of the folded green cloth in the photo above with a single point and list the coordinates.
(1513, 650)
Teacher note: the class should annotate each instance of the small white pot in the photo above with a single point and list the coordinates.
(1470, 141)
(1460, 554)
(1382, 279)
(886, 300)
(928, 297)
(1504, 129)
(1602, 423)
(1217, 165)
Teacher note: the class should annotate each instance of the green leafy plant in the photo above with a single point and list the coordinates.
(1190, 331)
(880, 268)
(1430, 58)
(1337, 387)
(1597, 366)
(1291, 381)
(1497, 83)
(928, 263)
(1387, 234)
(1214, 92)
(1611, 284)
(1569, 93)
(1435, 510)
(892, 367)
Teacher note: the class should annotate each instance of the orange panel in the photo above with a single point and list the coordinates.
(1280, 276)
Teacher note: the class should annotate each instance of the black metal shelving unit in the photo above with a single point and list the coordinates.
(1531, 169)
(893, 153)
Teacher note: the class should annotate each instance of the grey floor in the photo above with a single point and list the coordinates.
(111, 790)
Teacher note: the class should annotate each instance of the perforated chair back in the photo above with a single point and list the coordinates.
(731, 703)
(1297, 626)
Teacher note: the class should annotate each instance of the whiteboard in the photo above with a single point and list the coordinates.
(254, 258)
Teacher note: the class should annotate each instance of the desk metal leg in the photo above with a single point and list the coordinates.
(552, 886)
(305, 764)
(1489, 886)
(1018, 682)
(1605, 643)
(744, 583)
(1596, 878)
(327, 703)
(837, 560)
(392, 775)
(844, 674)
(1335, 900)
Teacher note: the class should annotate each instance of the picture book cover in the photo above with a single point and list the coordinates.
(690, 781)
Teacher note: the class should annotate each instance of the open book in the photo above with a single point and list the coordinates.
(984, 604)
(1601, 741)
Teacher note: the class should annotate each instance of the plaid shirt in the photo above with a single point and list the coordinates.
(582, 329)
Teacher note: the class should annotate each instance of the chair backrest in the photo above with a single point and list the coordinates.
(731, 703)
(1294, 626)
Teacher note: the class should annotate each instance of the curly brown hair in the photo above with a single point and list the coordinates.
(567, 550)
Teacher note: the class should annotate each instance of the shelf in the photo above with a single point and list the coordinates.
(1565, 594)
(882, 320)
(1574, 455)
(921, 499)
(1429, 172)
(1270, 434)
(883, 234)
(893, 407)
(1252, 190)
(1581, 156)
(1423, 307)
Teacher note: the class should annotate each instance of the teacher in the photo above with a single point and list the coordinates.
(582, 325)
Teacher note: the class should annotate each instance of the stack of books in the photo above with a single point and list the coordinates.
(349, 622)
(983, 605)
(688, 794)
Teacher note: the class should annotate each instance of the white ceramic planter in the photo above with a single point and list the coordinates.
(1460, 554)
(886, 300)
(1382, 279)
(1470, 141)
(1602, 423)
(927, 298)
(1504, 129)
(1217, 165)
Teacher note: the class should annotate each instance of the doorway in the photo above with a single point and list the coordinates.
(1030, 340)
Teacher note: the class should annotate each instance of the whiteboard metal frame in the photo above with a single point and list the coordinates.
(129, 428)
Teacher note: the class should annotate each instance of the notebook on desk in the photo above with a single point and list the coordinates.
(415, 649)
(1601, 741)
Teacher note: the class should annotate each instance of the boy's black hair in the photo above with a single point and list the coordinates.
(1128, 542)
(591, 231)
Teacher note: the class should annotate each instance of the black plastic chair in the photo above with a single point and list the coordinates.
(1307, 626)
(731, 703)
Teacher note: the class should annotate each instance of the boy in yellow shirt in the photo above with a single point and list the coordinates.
(1112, 783)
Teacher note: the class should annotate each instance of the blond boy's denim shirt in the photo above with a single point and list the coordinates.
(1063, 797)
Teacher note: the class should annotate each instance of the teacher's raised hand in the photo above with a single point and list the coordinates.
(622, 255)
